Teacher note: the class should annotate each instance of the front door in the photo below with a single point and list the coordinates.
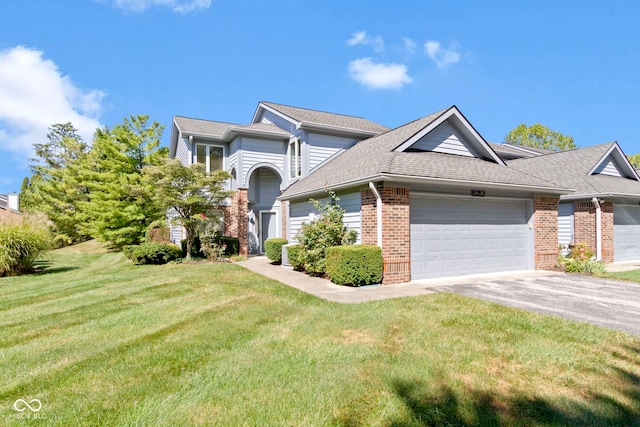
(268, 227)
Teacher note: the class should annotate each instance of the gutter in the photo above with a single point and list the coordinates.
(601, 196)
(378, 213)
(428, 180)
(231, 131)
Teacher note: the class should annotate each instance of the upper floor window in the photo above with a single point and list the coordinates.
(294, 158)
(211, 156)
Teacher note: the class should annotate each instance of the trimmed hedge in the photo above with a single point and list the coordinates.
(293, 252)
(273, 248)
(152, 253)
(354, 265)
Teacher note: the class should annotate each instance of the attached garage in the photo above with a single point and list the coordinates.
(626, 232)
(461, 235)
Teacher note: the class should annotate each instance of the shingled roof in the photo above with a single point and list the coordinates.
(306, 116)
(222, 129)
(571, 169)
(374, 158)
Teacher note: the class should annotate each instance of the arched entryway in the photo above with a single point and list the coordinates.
(263, 208)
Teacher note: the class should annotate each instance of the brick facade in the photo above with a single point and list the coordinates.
(235, 219)
(585, 227)
(396, 238)
(545, 232)
(369, 218)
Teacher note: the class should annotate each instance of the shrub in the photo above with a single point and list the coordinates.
(22, 241)
(231, 244)
(152, 253)
(159, 235)
(356, 265)
(293, 253)
(326, 231)
(585, 266)
(196, 248)
(273, 248)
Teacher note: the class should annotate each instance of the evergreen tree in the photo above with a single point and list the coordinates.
(56, 186)
(121, 207)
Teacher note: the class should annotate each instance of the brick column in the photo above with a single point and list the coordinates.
(607, 232)
(236, 218)
(396, 235)
(585, 224)
(369, 219)
(545, 232)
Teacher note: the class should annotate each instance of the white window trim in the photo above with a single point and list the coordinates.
(208, 156)
(294, 149)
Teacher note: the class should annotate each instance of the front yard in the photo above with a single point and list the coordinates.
(99, 341)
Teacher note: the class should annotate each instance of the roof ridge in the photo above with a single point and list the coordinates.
(312, 109)
(206, 120)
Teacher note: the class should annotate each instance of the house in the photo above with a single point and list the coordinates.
(433, 194)
(9, 205)
(603, 210)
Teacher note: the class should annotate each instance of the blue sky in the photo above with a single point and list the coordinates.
(571, 65)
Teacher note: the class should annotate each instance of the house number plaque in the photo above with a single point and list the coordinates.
(477, 193)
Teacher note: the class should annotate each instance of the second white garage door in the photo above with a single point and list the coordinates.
(626, 232)
(456, 236)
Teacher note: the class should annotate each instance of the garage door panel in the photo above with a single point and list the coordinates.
(626, 232)
(461, 236)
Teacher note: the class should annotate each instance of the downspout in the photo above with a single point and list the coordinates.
(596, 203)
(378, 213)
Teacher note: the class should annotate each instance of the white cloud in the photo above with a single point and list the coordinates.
(378, 75)
(441, 56)
(409, 44)
(180, 6)
(362, 38)
(36, 95)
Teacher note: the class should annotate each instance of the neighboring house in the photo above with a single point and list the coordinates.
(9, 205)
(433, 194)
(603, 210)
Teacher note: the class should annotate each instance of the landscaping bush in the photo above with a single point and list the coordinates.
(293, 253)
(196, 248)
(273, 248)
(152, 253)
(231, 244)
(326, 231)
(22, 241)
(354, 265)
(581, 259)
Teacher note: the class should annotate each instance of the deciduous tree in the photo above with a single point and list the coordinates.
(187, 192)
(539, 136)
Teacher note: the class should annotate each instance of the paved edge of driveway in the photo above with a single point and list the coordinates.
(325, 289)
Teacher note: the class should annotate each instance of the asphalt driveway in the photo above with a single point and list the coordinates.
(610, 303)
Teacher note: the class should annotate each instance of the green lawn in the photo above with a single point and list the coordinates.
(102, 342)
(632, 275)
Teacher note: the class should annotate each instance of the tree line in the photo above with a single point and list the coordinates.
(117, 187)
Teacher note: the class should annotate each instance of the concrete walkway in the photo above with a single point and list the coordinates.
(328, 290)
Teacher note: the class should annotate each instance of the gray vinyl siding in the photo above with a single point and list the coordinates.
(255, 151)
(233, 154)
(444, 139)
(264, 188)
(565, 223)
(273, 119)
(183, 151)
(299, 213)
(321, 147)
(608, 167)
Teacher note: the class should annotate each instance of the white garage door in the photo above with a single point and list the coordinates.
(626, 232)
(455, 236)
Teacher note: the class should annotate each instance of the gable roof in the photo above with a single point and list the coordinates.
(314, 119)
(574, 169)
(377, 159)
(224, 131)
